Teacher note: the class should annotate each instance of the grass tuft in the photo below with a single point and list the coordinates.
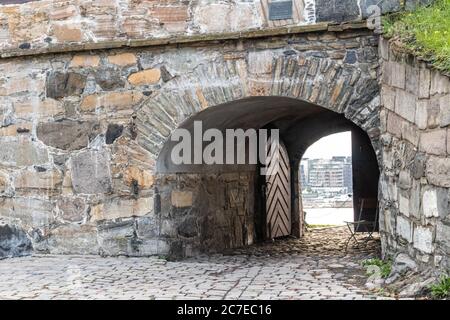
(424, 31)
(385, 267)
(441, 290)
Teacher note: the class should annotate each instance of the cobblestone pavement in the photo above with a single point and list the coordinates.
(315, 267)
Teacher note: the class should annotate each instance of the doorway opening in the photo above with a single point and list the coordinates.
(326, 181)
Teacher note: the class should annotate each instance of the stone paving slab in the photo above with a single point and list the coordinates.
(315, 267)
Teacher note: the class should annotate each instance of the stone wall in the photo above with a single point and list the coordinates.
(415, 184)
(80, 132)
(60, 25)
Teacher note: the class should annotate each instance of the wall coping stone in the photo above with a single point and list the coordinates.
(182, 39)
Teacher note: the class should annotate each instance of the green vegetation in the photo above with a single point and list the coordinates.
(384, 266)
(425, 32)
(441, 290)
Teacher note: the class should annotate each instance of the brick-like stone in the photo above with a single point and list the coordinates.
(111, 101)
(423, 239)
(63, 84)
(143, 178)
(123, 59)
(434, 142)
(122, 208)
(85, 61)
(394, 124)
(388, 97)
(404, 228)
(438, 171)
(444, 103)
(91, 173)
(22, 153)
(440, 84)
(146, 77)
(181, 199)
(35, 179)
(435, 202)
(421, 119)
(424, 83)
(403, 204)
(67, 33)
(405, 105)
(72, 209)
(67, 134)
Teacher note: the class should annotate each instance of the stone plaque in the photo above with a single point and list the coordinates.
(280, 10)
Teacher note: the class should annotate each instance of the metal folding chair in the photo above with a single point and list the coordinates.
(368, 227)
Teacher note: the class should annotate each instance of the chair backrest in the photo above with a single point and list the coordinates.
(368, 203)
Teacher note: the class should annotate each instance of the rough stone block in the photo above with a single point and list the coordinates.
(388, 97)
(123, 59)
(260, 62)
(85, 61)
(444, 104)
(410, 133)
(64, 84)
(423, 239)
(405, 105)
(424, 82)
(404, 228)
(32, 179)
(72, 239)
(337, 10)
(14, 242)
(22, 153)
(435, 202)
(403, 204)
(91, 172)
(440, 84)
(122, 208)
(181, 199)
(443, 236)
(394, 124)
(67, 134)
(67, 32)
(111, 101)
(146, 77)
(438, 171)
(434, 142)
(421, 119)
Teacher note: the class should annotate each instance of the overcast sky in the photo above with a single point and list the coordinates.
(339, 144)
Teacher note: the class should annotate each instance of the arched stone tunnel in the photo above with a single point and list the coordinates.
(212, 207)
(86, 111)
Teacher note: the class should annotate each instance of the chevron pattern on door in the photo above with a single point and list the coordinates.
(278, 194)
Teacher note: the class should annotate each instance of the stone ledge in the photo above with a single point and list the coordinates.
(251, 34)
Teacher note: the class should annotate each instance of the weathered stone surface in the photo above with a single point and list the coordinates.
(109, 79)
(443, 236)
(405, 105)
(122, 208)
(22, 153)
(67, 33)
(336, 10)
(404, 228)
(85, 61)
(123, 59)
(444, 103)
(14, 242)
(28, 212)
(90, 172)
(435, 202)
(423, 239)
(67, 134)
(142, 177)
(438, 171)
(111, 101)
(181, 199)
(150, 76)
(113, 132)
(434, 142)
(40, 180)
(73, 238)
(64, 84)
(421, 119)
(72, 209)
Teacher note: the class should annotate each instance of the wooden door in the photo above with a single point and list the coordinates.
(278, 192)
